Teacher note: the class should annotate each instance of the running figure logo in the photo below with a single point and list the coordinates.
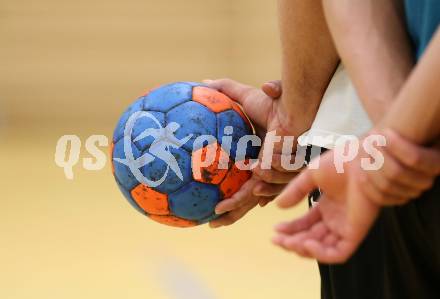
(164, 141)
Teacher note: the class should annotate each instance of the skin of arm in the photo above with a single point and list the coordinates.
(334, 228)
(309, 59)
(371, 39)
(416, 113)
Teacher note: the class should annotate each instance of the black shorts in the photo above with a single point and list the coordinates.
(400, 257)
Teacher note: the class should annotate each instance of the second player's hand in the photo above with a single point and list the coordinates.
(332, 230)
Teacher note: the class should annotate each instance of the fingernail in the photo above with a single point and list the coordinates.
(207, 81)
(273, 86)
(219, 211)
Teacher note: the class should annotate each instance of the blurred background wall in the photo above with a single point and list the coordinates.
(71, 67)
(84, 60)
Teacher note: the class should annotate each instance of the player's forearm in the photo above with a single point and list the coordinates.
(309, 60)
(416, 111)
(374, 47)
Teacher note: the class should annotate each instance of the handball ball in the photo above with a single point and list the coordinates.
(174, 153)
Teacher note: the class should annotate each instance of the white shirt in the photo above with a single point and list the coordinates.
(341, 113)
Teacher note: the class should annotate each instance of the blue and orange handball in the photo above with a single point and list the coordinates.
(176, 152)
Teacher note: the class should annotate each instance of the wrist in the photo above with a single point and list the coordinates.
(293, 122)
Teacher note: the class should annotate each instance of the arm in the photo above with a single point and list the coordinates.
(416, 112)
(335, 227)
(309, 60)
(371, 39)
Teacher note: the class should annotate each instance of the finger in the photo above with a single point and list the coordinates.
(423, 159)
(330, 240)
(240, 198)
(295, 242)
(297, 189)
(292, 243)
(254, 102)
(268, 190)
(264, 201)
(303, 223)
(393, 172)
(272, 89)
(374, 194)
(233, 216)
(394, 188)
(235, 90)
(277, 163)
(318, 231)
(272, 176)
(338, 253)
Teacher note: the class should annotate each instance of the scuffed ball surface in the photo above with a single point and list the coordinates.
(188, 200)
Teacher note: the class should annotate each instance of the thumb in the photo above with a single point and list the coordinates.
(297, 189)
(272, 89)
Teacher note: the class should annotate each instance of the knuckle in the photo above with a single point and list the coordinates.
(268, 176)
(265, 175)
(236, 204)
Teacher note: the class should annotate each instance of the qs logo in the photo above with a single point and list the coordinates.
(164, 141)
